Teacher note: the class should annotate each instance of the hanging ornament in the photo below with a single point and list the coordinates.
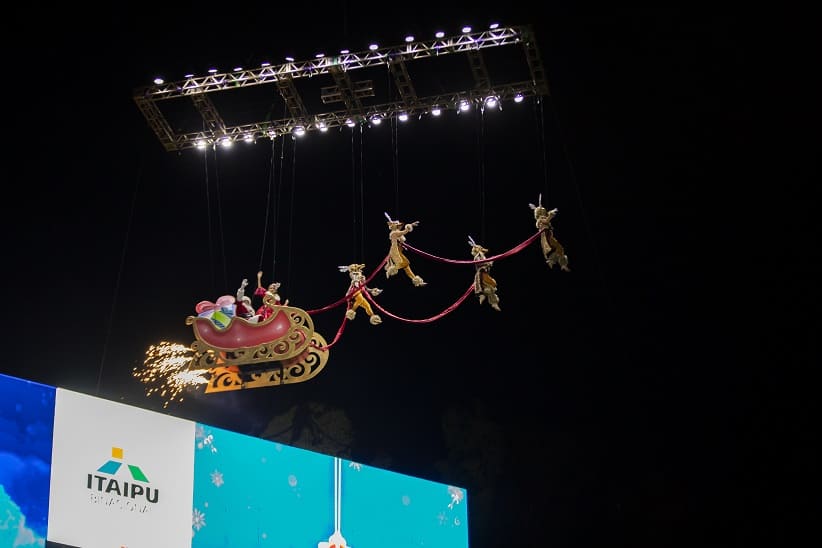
(552, 250)
(396, 258)
(485, 286)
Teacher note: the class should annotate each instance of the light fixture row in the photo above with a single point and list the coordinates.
(464, 105)
(289, 59)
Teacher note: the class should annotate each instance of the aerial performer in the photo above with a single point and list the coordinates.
(485, 286)
(270, 297)
(552, 250)
(396, 258)
(355, 289)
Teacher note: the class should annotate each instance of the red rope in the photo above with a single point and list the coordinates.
(508, 253)
(347, 296)
(336, 337)
(424, 320)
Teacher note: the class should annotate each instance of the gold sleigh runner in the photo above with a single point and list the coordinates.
(300, 368)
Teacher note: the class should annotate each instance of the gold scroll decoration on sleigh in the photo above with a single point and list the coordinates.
(300, 368)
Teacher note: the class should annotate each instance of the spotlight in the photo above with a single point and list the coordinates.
(299, 131)
(265, 64)
(376, 120)
(226, 143)
(373, 47)
(403, 117)
(518, 98)
(493, 26)
(350, 123)
(159, 81)
(188, 76)
(409, 38)
(201, 144)
(466, 29)
(212, 70)
(439, 34)
(344, 52)
(319, 55)
(322, 127)
(436, 111)
(491, 101)
(289, 59)
(464, 105)
(238, 69)
(248, 138)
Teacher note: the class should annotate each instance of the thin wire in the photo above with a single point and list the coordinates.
(210, 236)
(362, 199)
(291, 213)
(267, 205)
(481, 147)
(220, 218)
(395, 138)
(541, 130)
(353, 200)
(277, 215)
(119, 276)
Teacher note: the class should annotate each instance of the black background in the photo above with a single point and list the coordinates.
(653, 396)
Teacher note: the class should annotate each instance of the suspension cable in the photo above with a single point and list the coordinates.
(120, 270)
(220, 218)
(267, 204)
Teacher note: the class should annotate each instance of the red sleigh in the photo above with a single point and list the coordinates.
(282, 349)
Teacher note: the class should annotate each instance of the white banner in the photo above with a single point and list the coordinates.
(121, 477)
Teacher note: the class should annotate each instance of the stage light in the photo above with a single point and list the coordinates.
(238, 69)
(466, 29)
(322, 127)
(201, 144)
(248, 138)
(212, 70)
(299, 131)
(491, 101)
(320, 55)
(464, 105)
(376, 120)
(344, 52)
(289, 59)
(493, 26)
(436, 111)
(226, 143)
(265, 64)
(159, 81)
(373, 47)
(409, 38)
(518, 98)
(439, 34)
(188, 76)
(403, 117)
(350, 123)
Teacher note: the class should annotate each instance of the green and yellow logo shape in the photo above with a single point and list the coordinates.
(111, 467)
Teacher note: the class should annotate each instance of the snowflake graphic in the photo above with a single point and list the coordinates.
(198, 520)
(456, 495)
(355, 465)
(217, 478)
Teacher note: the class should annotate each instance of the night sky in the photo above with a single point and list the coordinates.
(639, 400)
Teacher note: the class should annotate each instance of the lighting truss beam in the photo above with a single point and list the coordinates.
(350, 94)
(403, 81)
(209, 113)
(349, 61)
(292, 98)
(277, 128)
(481, 78)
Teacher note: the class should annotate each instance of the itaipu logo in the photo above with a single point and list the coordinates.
(126, 487)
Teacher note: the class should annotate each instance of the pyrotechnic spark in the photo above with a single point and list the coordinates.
(165, 371)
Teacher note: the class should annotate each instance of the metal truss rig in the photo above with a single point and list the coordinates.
(344, 91)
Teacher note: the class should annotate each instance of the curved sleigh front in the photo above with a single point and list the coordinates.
(285, 334)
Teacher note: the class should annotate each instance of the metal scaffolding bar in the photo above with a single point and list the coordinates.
(349, 93)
